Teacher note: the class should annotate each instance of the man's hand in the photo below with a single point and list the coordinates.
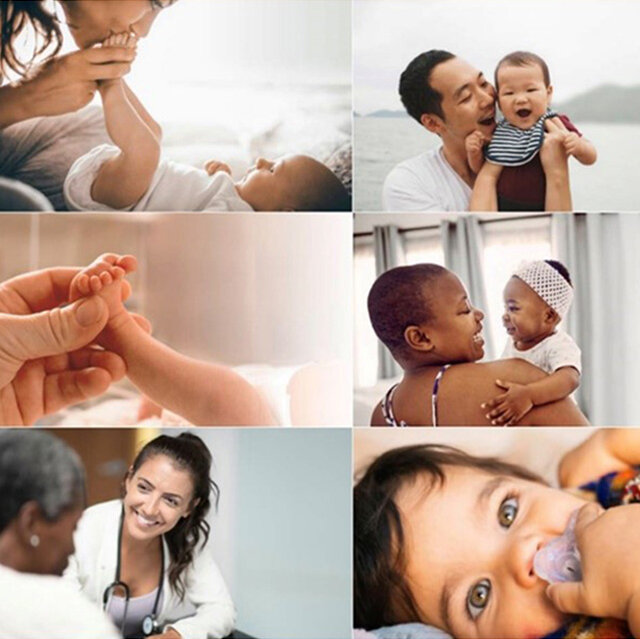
(571, 143)
(554, 159)
(553, 154)
(509, 408)
(610, 586)
(213, 166)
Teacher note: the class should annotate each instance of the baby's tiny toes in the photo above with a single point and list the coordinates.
(82, 284)
(95, 284)
(105, 278)
(117, 273)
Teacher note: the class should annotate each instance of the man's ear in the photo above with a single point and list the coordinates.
(432, 122)
(417, 339)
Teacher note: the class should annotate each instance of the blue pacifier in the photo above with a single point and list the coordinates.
(559, 560)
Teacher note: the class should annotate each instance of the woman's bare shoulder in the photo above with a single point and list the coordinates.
(514, 370)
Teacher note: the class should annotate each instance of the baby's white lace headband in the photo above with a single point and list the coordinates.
(548, 284)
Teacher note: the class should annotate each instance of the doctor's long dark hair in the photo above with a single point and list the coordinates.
(188, 452)
(18, 16)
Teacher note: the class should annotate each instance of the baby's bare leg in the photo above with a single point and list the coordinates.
(203, 393)
(125, 178)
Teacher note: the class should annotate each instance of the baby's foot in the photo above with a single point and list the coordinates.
(128, 40)
(104, 277)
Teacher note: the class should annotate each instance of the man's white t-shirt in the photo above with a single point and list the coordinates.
(44, 607)
(425, 183)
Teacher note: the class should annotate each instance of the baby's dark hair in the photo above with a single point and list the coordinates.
(562, 269)
(398, 299)
(416, 93)
(328, 193)
(522, 59)
(382, 595)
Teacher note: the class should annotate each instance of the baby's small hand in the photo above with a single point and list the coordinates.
(474, 145)
(610, 586)
(213, 166)
(104, 277)
(508, 408)
(571, 143)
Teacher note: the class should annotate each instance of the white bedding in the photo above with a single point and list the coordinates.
(295, 395)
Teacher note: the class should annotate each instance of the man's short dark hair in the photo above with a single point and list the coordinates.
(382, 595)
(398, 300)
(523, 59)
(416, 92)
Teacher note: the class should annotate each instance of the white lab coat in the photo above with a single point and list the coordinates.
(38, 606)
(93, 567)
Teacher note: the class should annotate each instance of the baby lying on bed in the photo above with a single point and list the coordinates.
(205, 394)
(132, 175)
(448, 539)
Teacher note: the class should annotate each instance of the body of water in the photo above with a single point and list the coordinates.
(611, 184)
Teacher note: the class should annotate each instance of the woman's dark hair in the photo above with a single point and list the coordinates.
(382, 595)
(188, 452)
(15, 17)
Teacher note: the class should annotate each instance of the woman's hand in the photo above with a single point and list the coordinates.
(45, 361)
(610, 586)
(64, 83)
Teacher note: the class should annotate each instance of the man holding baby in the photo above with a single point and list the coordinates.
(454, 100)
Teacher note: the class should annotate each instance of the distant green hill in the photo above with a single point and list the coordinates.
(386, 113)
(605, 103)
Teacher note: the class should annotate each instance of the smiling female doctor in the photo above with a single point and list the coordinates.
(142, 557)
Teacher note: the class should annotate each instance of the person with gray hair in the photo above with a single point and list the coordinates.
(42, 495)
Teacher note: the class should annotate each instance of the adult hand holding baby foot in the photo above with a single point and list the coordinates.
(610, 585)
(44, 363)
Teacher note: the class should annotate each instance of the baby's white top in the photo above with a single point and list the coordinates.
(174, 187)
(553, 352)
(426, 182)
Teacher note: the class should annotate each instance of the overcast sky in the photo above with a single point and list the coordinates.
(585, 42)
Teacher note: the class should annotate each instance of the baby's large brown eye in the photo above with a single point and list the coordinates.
(508, 511)
(478, 597)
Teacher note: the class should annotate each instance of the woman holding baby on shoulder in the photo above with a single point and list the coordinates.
(423, 315)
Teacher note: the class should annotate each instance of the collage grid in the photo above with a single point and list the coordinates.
(253, 253)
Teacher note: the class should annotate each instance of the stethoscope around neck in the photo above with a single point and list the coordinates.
(150, 625)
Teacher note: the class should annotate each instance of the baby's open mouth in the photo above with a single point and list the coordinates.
(523, 113)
